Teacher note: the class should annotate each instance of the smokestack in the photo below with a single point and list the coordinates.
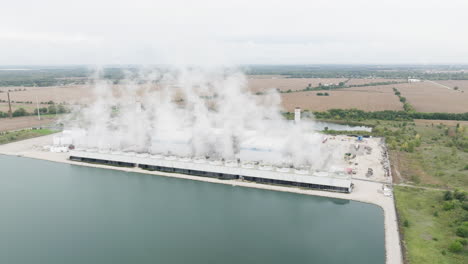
(9, 106)
(297, 115)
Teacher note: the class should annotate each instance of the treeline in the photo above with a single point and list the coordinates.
(432, 72)
(406, 105)
(44, 76)
(51, 109)
(338, 86)
(359, 115)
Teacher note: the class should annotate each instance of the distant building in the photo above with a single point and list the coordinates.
(413, 80)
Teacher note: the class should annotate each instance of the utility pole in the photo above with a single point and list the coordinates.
(38, 112)
(9, 106)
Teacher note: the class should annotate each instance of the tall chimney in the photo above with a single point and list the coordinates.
(297, 115)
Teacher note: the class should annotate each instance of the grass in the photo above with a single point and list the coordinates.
(8, 137)
(436, 162)
(427, 228)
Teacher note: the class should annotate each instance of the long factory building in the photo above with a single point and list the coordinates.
(233, 169)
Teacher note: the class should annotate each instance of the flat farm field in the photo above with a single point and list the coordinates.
(370, 98)
(431, 97)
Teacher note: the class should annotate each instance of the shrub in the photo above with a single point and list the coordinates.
(20, 112)
(448, 205)
(459, 195)
(462, 231)
(456, 247)
(448, 196)
(462, 241)
(406, 223)
(465, 206)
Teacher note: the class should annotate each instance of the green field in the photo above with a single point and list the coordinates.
(8, 137)
(428, 229)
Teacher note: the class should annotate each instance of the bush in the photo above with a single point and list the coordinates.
(456, 247)
(462, 231)
(448, 196)
(406, 223)
(20, 112)
(448, 205)
(462, 241)
(465, 206)
(459, 195)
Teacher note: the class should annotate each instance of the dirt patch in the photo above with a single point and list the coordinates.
(406, 169)
(16, 123)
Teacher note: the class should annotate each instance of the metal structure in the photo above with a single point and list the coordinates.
(221, 169)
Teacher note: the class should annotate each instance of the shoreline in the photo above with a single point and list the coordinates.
(364, 191)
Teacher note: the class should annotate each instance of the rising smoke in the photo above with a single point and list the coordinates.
(193, 111)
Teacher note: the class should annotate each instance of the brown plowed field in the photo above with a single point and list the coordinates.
(461, 84)
(57, 94)
(372, 98)
(424, 96)
(430, 97)
(16, 123)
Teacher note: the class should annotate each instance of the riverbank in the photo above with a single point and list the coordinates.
(364, 191)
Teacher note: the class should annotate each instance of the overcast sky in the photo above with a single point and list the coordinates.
(233, 32)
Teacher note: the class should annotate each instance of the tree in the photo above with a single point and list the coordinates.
(20, 112)
(61, 109)
(52, 109)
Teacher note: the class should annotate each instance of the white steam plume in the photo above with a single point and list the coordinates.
(194, 111)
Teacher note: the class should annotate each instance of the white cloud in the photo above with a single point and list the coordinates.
(208, 31)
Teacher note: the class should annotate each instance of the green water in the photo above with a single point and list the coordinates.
(58, 213)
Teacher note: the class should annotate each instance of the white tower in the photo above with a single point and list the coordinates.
(297, 115)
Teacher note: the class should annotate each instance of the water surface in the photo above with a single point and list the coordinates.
(55, 213)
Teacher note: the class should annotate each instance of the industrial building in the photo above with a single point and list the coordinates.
(221, 169)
